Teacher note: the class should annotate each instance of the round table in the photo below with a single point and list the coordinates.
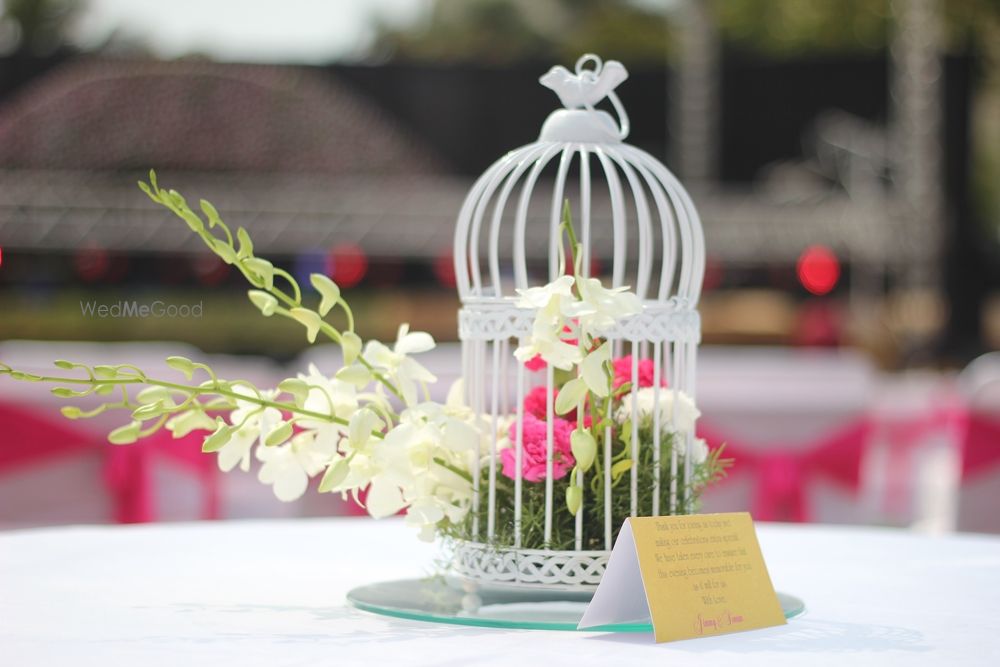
(272, 593)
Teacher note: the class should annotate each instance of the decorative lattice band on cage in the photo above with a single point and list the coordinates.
(633, 217)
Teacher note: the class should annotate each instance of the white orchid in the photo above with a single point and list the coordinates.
(679, 415)
(546, 340)
(288, 467)
(405, 372)
(599, 307)
(421, 465)
(699, 451)
(252, 422)
(541, 297)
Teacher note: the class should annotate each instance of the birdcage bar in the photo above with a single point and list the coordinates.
(495, 422)
(585, 211)
(520, 220)
(556, 258)
(608, 519)
(645, 226)
(657, 445)
(634, 439)
(619, 234)
(525, 159)
(671, 367)
(519, 452)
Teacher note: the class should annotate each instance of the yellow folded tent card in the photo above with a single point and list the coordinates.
(694, 576)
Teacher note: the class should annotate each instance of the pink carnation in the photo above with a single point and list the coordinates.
(536, 363)
(623, 372)
(535, 402)
(535, 444)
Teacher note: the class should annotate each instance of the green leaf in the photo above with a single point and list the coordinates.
(71, 412)
(335, 474)
(105, 389)
(152, 395)
(350, 343)
(145, 188)
(150, 411)
(106, 372)
(66, 392)
(279, 434)
(65, 365)
(219, 438)
(152, 180)
(574, 499)
(125, 435)
(261, 268)
(264, 301)
(182, 364)
(310, 320)
(295, 387)
(592, 370)
(328, 290)
(626, 433)
(190, 420)
(570, 395)
(246, 245)
(210, 213)
(224, 250)
(618, 469)
(355, 374)
(26, 377)
(584, 448)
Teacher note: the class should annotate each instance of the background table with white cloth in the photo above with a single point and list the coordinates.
(272, 593)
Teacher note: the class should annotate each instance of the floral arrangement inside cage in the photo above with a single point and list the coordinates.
(589, 390)
(576, 407)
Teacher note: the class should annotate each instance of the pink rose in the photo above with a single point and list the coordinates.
(534, 451)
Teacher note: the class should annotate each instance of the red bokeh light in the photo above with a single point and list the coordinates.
(210, 269)
(444, 269)
(91, 263)
(818, 269)
(347, 264)
(1, 255)
(714, 274)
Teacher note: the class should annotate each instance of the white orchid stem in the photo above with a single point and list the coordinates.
(192, 391)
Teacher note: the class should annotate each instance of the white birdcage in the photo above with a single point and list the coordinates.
(653, 242)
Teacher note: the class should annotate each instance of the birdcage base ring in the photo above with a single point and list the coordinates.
(487, 567)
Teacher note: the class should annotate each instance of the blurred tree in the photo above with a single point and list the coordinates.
(504, 31)
(36, 27)
(793, 27)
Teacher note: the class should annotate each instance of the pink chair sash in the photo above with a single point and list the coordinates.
(129, 474)
(783, 473)
(981, 446)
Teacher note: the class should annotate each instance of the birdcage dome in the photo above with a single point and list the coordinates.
(638, 228)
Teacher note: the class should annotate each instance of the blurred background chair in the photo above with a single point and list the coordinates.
(796, 422)
(979, 493)
(158, 478)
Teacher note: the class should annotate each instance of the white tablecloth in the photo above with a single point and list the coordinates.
(272, 593)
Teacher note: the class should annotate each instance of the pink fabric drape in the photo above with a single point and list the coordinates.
(783, 473)
(981, 444)
(29, 436)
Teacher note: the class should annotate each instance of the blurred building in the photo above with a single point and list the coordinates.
(863, 155)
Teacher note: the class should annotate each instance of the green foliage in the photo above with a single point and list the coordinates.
(591, 501)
